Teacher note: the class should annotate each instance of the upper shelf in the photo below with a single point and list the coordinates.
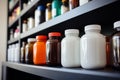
(23, 12)
(27, 9)
(81, 15)
(65, 73)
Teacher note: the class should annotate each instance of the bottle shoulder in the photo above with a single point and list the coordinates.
(93, 35)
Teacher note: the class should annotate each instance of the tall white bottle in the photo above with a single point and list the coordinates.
(93, 54)
(70, 49)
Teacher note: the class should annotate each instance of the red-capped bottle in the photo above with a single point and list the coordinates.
(53, 50)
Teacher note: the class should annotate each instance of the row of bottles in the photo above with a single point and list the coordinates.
(13, 53)
(45, 12)
(14, 33)
(91, 51)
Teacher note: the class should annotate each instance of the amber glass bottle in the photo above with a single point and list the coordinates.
(53, 49)
(29, 51)
(39, 50)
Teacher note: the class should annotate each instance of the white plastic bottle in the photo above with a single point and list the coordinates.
(93, 53)
(37, 15)
(70, 49)
(17, 53)
(9, 53)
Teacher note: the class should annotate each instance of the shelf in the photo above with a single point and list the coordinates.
(79, 15)
(24, 11)
(13, 7)
(13, 40)
(103, 12)
(65, 73)
(15, 21)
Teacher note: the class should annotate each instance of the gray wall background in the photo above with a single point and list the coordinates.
(3, 31)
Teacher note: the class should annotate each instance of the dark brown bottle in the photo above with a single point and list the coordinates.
(29, 51)
(116, 46)
(53, 50)
(22, 55)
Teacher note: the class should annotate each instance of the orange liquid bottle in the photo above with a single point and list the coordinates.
(39, 50)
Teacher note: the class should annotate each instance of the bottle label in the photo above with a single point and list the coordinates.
(54, 12)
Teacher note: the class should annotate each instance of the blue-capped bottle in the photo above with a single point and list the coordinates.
(39, 15)
(56, 8)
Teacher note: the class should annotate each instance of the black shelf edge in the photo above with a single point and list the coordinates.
(24, 11)
(92, 5)
(15, 21)
(13, 40)
(16, 3)
(64, 73)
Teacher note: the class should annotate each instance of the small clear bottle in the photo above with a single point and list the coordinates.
(70, 49)
(73, 4)
(31, 23)
(64, 6)
(24, 26)
(11, 34)
(29, 51)
(22, 55)
(48, 11)
(116, 45)
(53, 49)
(93, 48)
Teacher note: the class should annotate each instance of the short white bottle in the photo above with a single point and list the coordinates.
(93, 54)
(70, 49)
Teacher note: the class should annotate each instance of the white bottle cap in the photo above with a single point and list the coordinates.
(68, 31)
(93, 27)
(31, 39)
(116, 24)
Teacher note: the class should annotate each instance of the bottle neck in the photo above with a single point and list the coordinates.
(42, 40)
(31, 42)
(92, 31)
(54, 37)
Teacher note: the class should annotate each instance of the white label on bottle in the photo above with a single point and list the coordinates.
(54, 12)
